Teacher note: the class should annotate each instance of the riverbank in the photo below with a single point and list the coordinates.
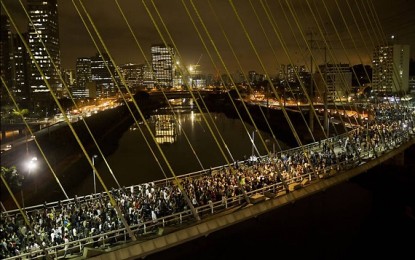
(64, 154)
(291, 126)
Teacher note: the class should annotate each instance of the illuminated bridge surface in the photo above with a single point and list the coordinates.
(146, 218)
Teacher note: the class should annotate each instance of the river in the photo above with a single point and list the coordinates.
(187, 143)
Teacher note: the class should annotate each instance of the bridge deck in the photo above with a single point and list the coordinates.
(234, 215)
(181, 227)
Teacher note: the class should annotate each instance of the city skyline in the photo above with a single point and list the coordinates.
(109, 22)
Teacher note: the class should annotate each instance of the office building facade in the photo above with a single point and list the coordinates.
(163, 59)
(335, 80)
(45, 47)
(103, 76)
(390, 69)
(83, 71)
(14, 65)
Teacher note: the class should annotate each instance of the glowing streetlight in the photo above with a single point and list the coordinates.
(31, 166)
(93, 171)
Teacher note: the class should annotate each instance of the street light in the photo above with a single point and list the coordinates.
(31, 165)
(93, 172)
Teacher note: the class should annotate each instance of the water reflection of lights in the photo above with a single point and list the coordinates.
(165, 129)
(176, 101)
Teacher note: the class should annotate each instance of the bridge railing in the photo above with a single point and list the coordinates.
(150, 228)
(92, 197)
(89, 198)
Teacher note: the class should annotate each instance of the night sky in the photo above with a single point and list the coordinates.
(396, 17)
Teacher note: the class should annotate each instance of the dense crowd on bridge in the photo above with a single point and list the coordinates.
(86, 217)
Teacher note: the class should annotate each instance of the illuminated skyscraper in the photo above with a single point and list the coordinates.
(44, 15)
(102, 73)
(5, 49)
(391, 68)
(14, 64)
(133, 74)
(21, 71)
(83, 74)
(162, 58)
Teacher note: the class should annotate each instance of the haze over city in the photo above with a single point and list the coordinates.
(221, 22)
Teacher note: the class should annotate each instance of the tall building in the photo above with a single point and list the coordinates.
(196, 79)
(292, 73)
(82, 78)
(225, 80)
(303, 74)
(14, 65)
(83, 71)
(210, 79)
(411, 86)
(148, 79)
(21, 71)
(5, 50)
(390, 68)
(102, 71)
(6, 59)
(44, 15)
(133, 74)
(252, 77)
(162, 58)
(336, 80)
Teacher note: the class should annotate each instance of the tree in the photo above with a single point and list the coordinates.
(12, 177)
(21, 112)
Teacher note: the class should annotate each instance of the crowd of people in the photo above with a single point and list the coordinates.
(87, 217)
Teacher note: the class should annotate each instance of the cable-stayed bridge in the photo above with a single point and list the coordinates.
(138, 220)
(265, 191)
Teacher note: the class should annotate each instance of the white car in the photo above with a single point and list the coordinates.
(6, 148)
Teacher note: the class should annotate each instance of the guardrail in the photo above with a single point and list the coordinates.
(148, 228)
